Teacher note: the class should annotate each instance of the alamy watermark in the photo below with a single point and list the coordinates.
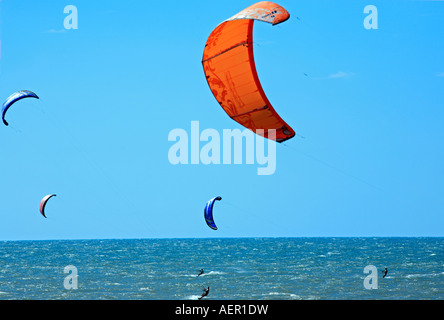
(188, 150)
(71, 21)
(71, 281)
(371, 21)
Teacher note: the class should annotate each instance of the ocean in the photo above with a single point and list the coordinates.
(233, 268)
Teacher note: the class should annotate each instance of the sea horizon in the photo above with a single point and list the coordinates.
(227, 237)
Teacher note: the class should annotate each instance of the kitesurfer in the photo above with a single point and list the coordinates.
(385, 272)
(201, 271)
(205, 292)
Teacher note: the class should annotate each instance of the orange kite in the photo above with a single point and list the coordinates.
(229, 67)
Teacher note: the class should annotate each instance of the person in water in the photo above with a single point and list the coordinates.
(205, 292)
(201, 271)
(385, 272)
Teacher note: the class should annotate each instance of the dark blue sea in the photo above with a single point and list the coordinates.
(234, 269)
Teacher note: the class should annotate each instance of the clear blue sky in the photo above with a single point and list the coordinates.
(368, 161)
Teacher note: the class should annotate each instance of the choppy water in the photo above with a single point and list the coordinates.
(234, 268)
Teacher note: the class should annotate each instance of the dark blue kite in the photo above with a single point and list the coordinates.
(13, 98)
(208, 213)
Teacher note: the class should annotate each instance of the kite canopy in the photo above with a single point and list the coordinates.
(13, 98)
(230, 70)
(43, 203)
(208, 213)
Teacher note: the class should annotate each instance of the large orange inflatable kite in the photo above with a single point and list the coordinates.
(229, 67)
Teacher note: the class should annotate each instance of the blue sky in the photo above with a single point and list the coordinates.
(368, 159)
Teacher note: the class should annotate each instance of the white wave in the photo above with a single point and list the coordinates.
(290, 295)
(146, 289)
(420, 275)
(211, 273)
(205, 274)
